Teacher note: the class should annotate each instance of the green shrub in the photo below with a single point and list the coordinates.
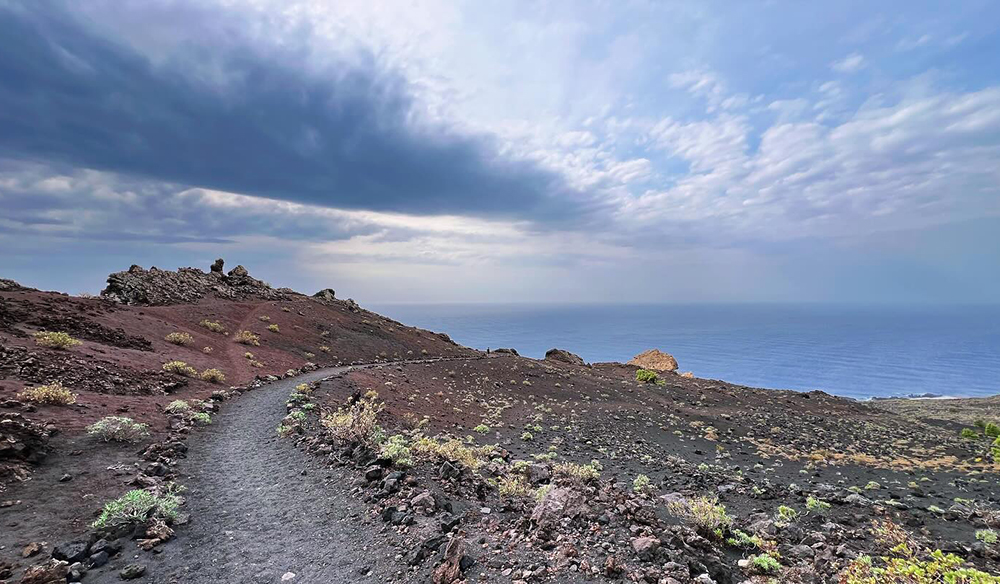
(55, 340)
(182, 339)
(273, 328)
(213, 376)
(247, 338)
(118, 429)
(138, 506)
(785, 514)
(177, 406)
(527, 436)
(742, 539)
(580, 473)
(481, 428)
(969, 434)
(180, 368)
(640, 484)
(397, 450)
(53, 395)
(765, 564)
(987, 536)
(992, 430)
(646, 376)
(215, 327)
(201, 418)
(707, 515)
(264, 318)
(514, 486)
(356, 423)
(814, 505)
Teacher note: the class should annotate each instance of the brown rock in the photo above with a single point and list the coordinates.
(450, 569)
(51, 572)
(655, 359)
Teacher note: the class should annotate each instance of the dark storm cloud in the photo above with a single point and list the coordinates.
(267, 125)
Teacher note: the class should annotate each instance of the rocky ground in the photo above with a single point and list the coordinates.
(430, 462)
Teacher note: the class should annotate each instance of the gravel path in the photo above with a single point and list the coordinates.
(261, 509)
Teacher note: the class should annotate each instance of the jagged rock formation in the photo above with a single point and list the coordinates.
(656, 360)
(22, 442)
(326, 294)
(155, 287)
(564, 357)
(10, 285)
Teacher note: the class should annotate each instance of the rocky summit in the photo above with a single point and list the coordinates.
(203, 427)
(155, 287)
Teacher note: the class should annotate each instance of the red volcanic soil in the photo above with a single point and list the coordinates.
(118, 366)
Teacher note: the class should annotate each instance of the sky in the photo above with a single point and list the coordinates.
(536, 151)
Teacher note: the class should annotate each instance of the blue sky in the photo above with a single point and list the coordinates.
(509, 151)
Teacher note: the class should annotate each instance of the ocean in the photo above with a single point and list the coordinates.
(851, 351)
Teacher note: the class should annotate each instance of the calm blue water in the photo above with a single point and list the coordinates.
(850, 351)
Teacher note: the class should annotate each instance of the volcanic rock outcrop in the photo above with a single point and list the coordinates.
(564, 357)
(656, 360)
(156, 287)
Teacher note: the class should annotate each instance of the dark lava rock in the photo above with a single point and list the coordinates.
(326, 294)
(132, 571)
(71, 552)
(562, 356)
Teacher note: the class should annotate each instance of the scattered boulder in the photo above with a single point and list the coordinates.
(22, 443)
(507, 351)
(656, 360)
(557, 503)
(562, 356)
(450, 570)
(645, 547)
(132, 571)
(217, 265)
(51, 572)
(326, 295)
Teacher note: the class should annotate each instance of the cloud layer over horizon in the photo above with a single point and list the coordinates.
(566, 151)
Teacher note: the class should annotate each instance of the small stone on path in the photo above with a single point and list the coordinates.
(287, 576)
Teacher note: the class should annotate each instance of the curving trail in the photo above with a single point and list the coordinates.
(260, 508)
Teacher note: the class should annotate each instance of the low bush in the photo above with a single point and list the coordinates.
(969, 434)
(453, 450)
(987, 536)
(213, 376)
(785, 515)
(396, 449)
(357, 422)
(138, 506)
(53, 395)
(55, 340)
(514, 486)
(215, 327)
(481, 428)
(814, 505)
(264, 318)
(180, 368)
(118, 429)
(646, 376)
(324, 349)
(273, 328)
(580, 473)
(247, 338)
(201, 418)
(765, 564)
(992, 430)
(182, 339)
(178, 406)
(640, 484)
(706, 514)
